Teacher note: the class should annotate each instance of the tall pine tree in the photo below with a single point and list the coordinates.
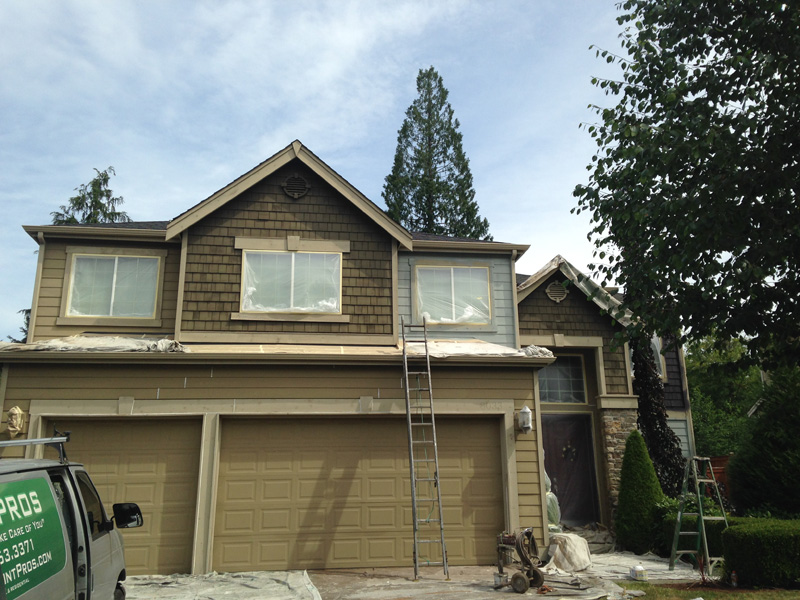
(94, 203)
(430, 187)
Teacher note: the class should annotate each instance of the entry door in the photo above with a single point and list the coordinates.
(569, 461)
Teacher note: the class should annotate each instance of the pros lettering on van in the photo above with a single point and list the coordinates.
(32, 545)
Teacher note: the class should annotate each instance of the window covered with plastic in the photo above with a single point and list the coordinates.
(454, 295)
(562, 381)
(113, 286)
(288, 282)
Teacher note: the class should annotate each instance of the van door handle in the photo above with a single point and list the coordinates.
(82, 571)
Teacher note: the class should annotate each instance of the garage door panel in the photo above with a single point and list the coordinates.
(336, 493)
(155, 464)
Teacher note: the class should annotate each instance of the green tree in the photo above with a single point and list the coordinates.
(94, 203)
(26, 321)
(721, 391)
(639, 492)
(694, 187)
(662, 443)
(430, 187)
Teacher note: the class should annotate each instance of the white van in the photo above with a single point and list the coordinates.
(56, 540)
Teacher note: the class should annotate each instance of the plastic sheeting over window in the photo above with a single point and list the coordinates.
(113, 286)
(454, 295)
(292, 282)
(562, 381)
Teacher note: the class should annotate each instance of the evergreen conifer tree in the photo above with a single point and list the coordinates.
(430, 187)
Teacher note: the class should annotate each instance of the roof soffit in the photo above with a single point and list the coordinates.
(295, 150)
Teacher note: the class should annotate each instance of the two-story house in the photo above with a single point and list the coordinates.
(237, 372)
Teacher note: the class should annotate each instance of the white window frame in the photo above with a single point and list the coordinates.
(74, 253)
(451, 268)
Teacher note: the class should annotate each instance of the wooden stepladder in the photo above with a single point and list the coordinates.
(698, 477)
(426, 493)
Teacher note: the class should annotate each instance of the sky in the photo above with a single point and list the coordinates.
(182, 97)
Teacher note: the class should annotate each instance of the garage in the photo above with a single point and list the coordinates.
(335, 493)
(153, 463)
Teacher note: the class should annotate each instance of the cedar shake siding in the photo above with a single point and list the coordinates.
(214, 266)
(576, 315)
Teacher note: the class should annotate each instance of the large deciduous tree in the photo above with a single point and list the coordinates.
(430, 187)
(694, 187)
(93, 203)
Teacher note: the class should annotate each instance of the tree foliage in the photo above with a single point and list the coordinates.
(26, 321)
(721, 391)
(662, 443)
(694, 187)
(93, 203)
(765, 473)
(430, 187)
(639, 493)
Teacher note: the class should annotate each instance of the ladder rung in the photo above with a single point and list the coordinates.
(421, 424)
(419, 389)
(691, 514)
(686, 552)
(688, 533)
(429, 520)
(426, 500)
(429, 541)
(418, 373)
(706, 481)
(428, 442)
(425, 479)
(713, 518)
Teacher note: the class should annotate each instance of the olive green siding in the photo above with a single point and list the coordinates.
(576, 315)
(51, 288)
(214, 267)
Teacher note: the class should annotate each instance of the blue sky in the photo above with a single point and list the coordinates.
(183, 97)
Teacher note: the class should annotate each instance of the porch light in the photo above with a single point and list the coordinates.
(525, 420)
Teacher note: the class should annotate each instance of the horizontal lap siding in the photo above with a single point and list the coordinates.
(502, 294)
(51, 289)
(576, 315)
(214, 266)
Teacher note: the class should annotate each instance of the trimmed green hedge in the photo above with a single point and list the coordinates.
(763, 552)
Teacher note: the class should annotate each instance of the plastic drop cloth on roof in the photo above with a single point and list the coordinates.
(454, 348)
(81, 343)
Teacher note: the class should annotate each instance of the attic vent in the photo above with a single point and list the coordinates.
(295, 186)
(556, 291)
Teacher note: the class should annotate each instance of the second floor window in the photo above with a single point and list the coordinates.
(454, 295)
(113, 286)
(292, 282)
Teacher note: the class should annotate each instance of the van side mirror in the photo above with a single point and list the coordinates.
(127, 515)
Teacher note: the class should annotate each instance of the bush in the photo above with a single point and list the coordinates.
(763, 552)
(666, 514)
(765, 473)
(639, 493)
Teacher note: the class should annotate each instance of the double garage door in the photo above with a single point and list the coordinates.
(293, 493)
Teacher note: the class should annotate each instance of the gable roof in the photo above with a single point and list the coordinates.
(594, 292)
(295, 150)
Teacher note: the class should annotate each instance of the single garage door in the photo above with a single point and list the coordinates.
(153, 463)
(328, 493)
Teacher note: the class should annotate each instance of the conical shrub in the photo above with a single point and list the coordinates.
(639, 492)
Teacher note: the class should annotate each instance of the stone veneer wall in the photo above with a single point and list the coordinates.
(616, 425)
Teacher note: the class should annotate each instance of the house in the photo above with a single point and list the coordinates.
(237, 372)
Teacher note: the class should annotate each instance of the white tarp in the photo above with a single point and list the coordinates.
(458, 348)
(86, 343)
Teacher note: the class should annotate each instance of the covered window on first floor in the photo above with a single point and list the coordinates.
(563, 381)
(453, 295)
(292, 282)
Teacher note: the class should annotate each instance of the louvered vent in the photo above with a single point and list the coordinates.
(295, 186)
(556, 291)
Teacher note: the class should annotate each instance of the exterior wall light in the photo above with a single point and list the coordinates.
(525, 420)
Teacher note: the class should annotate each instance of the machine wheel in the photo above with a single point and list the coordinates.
(520, 583)
(119, 592)
(536, 578)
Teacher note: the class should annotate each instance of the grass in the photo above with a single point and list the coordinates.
(711, 591)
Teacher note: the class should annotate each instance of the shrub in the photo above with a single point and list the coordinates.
(763, 552)
(765, 473)
(639, 493)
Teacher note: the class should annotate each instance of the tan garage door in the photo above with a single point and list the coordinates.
(315, 493)
(155, 464)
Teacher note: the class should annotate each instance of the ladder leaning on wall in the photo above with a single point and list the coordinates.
(423, 454)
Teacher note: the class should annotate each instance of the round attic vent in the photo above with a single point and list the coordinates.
(295, 186)
(556, 291)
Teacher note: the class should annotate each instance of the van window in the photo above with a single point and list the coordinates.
(95, 515)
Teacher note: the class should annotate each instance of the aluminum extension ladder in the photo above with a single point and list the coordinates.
(699, 471)
(423, 454)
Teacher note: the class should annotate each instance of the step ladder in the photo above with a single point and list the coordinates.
(700, 476)
(423, 454)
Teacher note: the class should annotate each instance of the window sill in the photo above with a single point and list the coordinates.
(109, 321)
(290, 317)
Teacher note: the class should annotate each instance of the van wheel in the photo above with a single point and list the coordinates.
(119, 592)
